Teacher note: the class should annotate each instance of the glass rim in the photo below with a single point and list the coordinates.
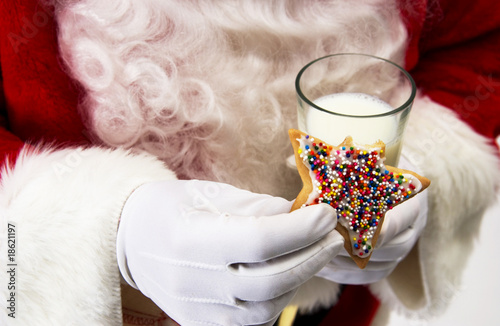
(394, 111)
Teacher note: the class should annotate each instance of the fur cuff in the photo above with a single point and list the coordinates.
(64, 206)
(315, 294)
(463, 168)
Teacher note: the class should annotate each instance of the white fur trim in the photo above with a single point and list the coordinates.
(463, 168)
(315, 294)
(65, 205)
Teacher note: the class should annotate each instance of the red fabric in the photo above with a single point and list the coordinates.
(466, 78)
(356, 307)
(451, 22)
(39, 98)
(454, 57)
(413, 14)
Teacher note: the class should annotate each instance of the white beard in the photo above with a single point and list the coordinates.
(208, 86)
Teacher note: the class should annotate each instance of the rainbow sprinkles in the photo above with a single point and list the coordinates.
(353, 179)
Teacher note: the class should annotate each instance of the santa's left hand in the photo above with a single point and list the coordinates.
(400, 231)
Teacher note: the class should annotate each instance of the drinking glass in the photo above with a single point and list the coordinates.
(358, 95)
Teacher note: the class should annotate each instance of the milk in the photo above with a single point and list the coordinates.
(333, 128)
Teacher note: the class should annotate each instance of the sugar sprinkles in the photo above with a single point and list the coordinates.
(355, 181)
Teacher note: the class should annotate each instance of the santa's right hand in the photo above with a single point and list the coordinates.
(211, 254)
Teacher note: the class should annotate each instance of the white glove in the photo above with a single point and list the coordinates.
(400, 231)
(211, 254)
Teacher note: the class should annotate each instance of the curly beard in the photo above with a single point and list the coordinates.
(208, 86)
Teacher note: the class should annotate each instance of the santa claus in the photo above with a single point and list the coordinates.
(144, 152)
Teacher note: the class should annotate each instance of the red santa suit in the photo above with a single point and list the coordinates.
(99, 98)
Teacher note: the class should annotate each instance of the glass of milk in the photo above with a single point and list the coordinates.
(358, 95)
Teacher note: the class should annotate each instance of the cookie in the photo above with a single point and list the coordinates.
(353, 179)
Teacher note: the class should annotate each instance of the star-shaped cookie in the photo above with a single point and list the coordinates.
(353, 179)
